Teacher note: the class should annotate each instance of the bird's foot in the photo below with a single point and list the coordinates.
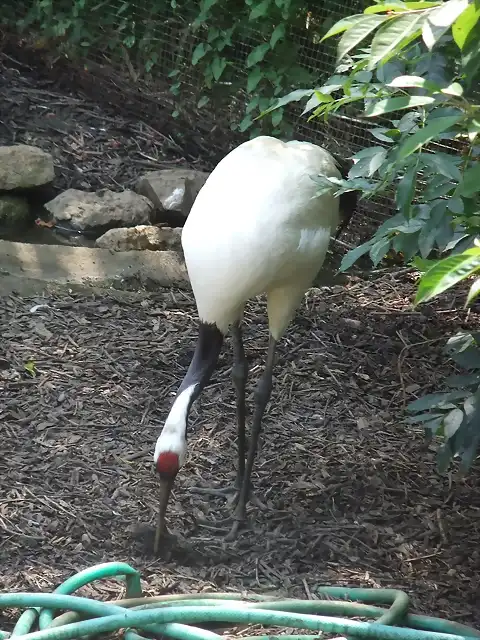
(229, 493)
(233, 492)
(231, 526)
(234, 523)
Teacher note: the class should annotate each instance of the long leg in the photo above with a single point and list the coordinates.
(239, 377)
(262, 396)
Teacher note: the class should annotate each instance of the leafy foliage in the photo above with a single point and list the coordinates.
(248, 50)
(413, 69)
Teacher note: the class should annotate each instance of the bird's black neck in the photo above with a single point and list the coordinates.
(207, 350)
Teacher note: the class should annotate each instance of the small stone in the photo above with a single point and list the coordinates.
(172, 192)
(351, 322)
(141, 238)
(23, 166)
(102, 209)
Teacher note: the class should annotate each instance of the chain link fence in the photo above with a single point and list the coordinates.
(168, 42)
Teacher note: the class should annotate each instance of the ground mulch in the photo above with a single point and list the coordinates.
(352, 494)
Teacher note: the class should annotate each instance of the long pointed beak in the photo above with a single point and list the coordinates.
(166, 485)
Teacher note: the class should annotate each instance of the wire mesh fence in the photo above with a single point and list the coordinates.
(164, 41)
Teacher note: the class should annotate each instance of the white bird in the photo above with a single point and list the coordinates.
(256, 227)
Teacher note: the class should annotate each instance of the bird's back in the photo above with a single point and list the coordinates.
(256, 225)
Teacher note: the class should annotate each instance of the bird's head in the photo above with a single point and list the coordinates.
(169, 457)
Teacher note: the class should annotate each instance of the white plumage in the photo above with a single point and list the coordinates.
(256, 227)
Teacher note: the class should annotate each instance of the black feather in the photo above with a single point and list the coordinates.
(349, 200)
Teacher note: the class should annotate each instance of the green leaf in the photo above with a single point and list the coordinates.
(253, 104)
(358, 32)
(200, 50)
(473, 130)
(423, 265)
(293, 96)
(423, 136)
(455, 205)
(260, 9)
(278, 34)
(433, 425)
(452, 422)
(444, 164)
(467, 380)
(258, 54)
(315, 100)
(454, 89)
(254, 78)
(433, 400)
(440, 19)
(342, 25)
(277, 117)
(30, 367)
(469, 359)
(426, 240)
(206, 5)
(354, 254)
(203, 101)
(378, 251)
(385, 134)
(415, 6)
(461, 341)
(386, 6)
(470, 184)
(245, 123)
(406, 190)
(471, 58)
(408, 122)
(465, 22)
(473, 293)
(424, 417)
(218, 67)
(447, 13)
(446, 273)
(413, 81)
(387, 105)
(393, 36)
(369, 160)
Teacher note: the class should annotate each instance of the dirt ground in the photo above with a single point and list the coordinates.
(352, 494)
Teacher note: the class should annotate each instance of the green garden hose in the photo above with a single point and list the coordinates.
(174, 615)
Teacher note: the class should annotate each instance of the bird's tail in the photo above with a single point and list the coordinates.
(349, 200)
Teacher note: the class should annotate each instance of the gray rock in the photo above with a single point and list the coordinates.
(172, 191)
(82, 265)
(14, 213)
(23, 167)
(101, 209)
(140, 238)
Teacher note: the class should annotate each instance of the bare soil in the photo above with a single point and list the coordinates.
(353, 496)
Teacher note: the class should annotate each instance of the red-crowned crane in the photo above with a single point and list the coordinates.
(256, 227)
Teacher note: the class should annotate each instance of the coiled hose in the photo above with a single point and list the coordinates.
(173, 616)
